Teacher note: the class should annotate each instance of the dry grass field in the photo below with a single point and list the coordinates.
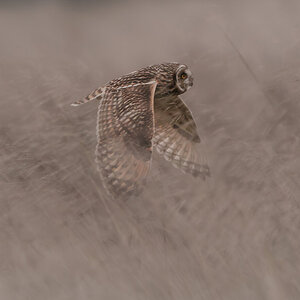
(234, 237)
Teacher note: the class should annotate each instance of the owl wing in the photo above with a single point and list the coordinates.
(95, 94)
(125, 131)
(176, 137)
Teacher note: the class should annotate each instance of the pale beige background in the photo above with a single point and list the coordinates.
(235, 237)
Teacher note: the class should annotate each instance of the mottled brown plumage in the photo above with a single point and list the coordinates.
(138, 111)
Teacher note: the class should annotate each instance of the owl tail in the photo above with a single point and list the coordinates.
(96, 94)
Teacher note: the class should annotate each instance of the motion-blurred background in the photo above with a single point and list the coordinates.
(233, 237)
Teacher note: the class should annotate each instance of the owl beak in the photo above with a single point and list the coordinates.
(191, 81)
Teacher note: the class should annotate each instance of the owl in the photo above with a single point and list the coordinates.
(141, 111)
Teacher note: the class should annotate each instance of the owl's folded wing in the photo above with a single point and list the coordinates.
(176, 137)
(125, 131)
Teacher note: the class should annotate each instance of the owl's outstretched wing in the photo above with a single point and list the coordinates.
(95, 94)
(176, 137)
(125, 131)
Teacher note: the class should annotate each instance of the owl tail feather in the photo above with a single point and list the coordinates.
(96, 94)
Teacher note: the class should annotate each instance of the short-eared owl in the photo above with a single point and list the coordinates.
(138, 111)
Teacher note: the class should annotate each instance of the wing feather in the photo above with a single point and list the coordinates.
(95, 94)
(125, 132)
(176, 137)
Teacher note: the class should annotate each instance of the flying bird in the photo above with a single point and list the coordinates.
(139, 111)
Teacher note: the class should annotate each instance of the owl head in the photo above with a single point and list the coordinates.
(173, 78)
(183, 78)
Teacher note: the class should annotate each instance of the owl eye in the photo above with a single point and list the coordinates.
(183, 76)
